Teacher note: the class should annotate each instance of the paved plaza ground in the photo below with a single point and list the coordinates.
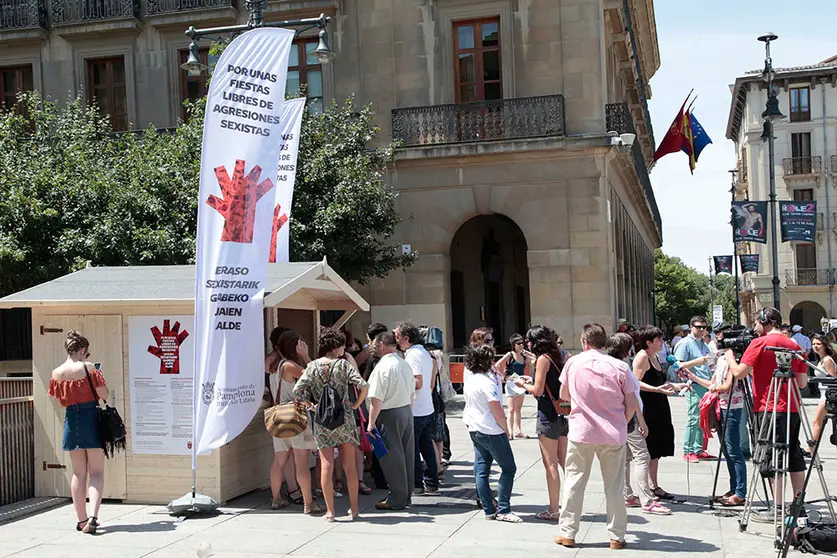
(448, 525)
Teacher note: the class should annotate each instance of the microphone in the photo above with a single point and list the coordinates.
(676, 365)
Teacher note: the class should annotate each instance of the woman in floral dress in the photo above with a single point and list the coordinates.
(331, 369)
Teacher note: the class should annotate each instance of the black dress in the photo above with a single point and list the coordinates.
(657, 415)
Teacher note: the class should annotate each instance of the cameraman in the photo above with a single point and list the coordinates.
(761, 363)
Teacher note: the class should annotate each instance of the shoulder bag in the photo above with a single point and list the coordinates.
(286, 420)
(112, 431)
(436, 394)
(330, 413)
(561, 407)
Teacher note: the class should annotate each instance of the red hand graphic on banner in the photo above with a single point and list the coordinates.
(168, 346)
(240, 196)
(279, 220)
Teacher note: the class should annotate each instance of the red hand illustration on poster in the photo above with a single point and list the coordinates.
(168, 346)
(279, 220)
(240, 196)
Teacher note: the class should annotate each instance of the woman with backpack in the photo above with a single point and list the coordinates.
(325, 385)
(300, 446)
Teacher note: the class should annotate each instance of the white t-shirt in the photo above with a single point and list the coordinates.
(479, 391)
(422, 364)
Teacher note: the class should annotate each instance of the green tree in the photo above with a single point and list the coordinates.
(723, 293)
(682, 292)
(73, 192)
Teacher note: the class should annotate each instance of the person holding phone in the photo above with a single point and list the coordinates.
(78, 385)
(517, 363)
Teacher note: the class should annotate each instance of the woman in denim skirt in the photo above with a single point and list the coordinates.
(70, 386)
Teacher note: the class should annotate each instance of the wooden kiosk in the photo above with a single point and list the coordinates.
(99, 302)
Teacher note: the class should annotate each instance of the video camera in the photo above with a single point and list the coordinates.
(830, 385)
(737, 341)
(431, 337)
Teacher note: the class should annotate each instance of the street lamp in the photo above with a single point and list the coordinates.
(771, 115)
(194, 67)
(732, 190)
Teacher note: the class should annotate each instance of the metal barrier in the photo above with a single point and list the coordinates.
(17, 440)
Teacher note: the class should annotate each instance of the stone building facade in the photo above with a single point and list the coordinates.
(806, 169)
(521, 206)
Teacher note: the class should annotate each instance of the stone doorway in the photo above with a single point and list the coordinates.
(808, 314)
(489, 279)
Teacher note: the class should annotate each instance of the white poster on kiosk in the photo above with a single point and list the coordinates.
(161, 372)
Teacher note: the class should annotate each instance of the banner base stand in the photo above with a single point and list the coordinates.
(192, 504)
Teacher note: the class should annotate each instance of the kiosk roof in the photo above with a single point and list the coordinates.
(154, 284)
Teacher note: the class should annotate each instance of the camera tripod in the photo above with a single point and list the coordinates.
(770, 440)
(799, 497)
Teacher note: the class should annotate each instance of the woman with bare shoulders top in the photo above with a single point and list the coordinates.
(78, 385)
(282, 385)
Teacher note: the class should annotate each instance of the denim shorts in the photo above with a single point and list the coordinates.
(552, 429)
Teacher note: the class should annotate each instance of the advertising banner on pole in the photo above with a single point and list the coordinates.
(798, 220)
(280, 249)
(749, 263)
(723, 264)
(748, 221)
(242, 139)
(161, 373)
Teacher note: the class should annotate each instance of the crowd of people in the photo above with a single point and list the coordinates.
(609, 402)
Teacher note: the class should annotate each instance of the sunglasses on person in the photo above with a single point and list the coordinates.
(698, 326)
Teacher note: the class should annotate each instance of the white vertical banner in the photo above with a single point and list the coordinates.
(242, 138)
(280, 250)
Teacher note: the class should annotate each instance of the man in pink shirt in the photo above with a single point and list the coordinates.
(602, 394)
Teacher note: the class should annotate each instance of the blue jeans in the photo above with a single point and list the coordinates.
(735, 457)
(424, 427)
(487, 449)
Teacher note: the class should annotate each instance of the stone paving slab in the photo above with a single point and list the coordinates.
(438, 525)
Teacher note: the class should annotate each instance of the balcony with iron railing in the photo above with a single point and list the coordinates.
(84, 11)
(173, 6)
(503, 119)
(800, 166)
(22, 14)
(810, 277)
(618, 118)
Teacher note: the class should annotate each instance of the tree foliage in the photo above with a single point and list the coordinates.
(682, 292)
(73, 192)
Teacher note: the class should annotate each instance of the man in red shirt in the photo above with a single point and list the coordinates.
(761, 363)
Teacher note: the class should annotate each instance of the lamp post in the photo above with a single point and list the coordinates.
(735, 249)
(770, 115)
(194, 66)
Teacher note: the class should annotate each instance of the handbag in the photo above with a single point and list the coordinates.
(286, 420)
(112, 433)
(365, 443)
(436, 394)
(561, 407)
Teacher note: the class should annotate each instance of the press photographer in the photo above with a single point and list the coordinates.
(760, 363)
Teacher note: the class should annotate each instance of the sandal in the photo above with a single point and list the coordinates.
(297, 500)
(279, 504)
(80, 523)
(313, 509)
(363, 489)
(329, 518)
(521, 435)
(508, 517)
(662, 494)
(546, 515)
(90, 528)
